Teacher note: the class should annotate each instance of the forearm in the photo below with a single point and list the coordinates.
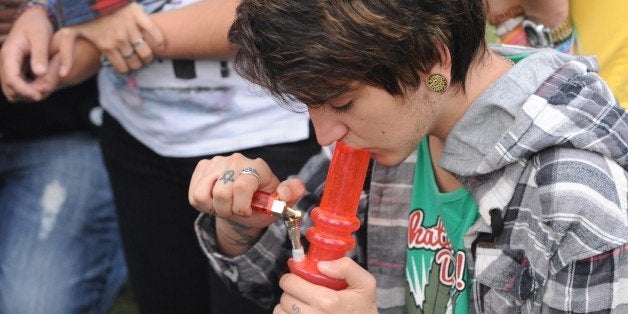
(86, 64)
(235, 239)
(256, 272)
(549, 13)
(197, 31)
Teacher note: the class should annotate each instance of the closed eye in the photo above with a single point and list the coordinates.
(343, 108)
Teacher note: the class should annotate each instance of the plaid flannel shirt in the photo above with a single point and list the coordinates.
(558, 176)
(72, 12)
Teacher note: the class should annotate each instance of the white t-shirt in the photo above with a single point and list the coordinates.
(205, 113)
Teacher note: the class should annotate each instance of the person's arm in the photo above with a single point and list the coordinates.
(198, 31)
(256, 271)
(202, 36)
(8, 9)
(123, 37)
(549, 13)
(28, 38)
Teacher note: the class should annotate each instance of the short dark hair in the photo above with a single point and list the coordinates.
(311, 50)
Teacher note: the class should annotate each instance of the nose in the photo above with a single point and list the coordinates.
(328, 129)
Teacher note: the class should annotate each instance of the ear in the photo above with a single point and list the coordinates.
(438, 78)
(444, 66)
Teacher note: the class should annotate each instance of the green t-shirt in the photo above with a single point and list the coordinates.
(436, 272)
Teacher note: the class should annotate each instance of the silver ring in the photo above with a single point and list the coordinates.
(137, 43)
(129, 55)
(251, 171)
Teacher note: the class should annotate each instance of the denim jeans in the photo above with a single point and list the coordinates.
(60, 249)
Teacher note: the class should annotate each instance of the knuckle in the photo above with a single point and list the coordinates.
(370, 283)
(240, 186)
(107, 47)
(135, 65)
(327, 304)
(237, 156)
(120, 41)
(64, 32)
(222, 194)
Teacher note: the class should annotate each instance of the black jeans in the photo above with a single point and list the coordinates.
(168, 271)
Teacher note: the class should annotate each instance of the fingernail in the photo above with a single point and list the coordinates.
(63, 70)
(39, 68)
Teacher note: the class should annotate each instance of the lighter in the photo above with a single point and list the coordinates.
(270, 204)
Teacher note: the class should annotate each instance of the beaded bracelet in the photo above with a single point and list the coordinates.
(38, 4)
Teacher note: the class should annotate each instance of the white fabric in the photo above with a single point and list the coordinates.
(204, 115)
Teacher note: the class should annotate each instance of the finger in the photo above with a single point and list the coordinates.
(278, 310)
(245, 184)
(348, 270)
(291, 190)
(117, 61)
(63, 43)
(39, 44)
(202, 197)
(268, 180)
(290, 304)
(16, 88)
(132, 60)
(196, 177)
(128, 48)
(142, 49)
(222, 193)
(151, 31)
(302, 289)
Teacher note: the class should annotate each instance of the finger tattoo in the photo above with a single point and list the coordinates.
(228, 176)
(295, 308)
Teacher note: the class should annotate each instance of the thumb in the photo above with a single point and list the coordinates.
(39, 44)
(63, 43)
(349, 271)
(291, 190)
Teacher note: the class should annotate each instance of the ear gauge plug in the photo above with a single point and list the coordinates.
(437, 83)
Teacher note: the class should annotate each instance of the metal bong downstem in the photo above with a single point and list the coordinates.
(293, 224)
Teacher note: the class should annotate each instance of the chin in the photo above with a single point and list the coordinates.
(388, 160)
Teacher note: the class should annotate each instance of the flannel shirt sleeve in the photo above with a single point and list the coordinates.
(256, 273)
(72, 12)
(595, 284)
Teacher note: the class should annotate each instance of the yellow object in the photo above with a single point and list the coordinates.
(437, 83)
(602, 28)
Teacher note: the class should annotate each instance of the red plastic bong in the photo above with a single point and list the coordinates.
(335, 219)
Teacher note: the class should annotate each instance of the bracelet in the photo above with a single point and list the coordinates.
(41, 5)
(508, 25)
(502, 17)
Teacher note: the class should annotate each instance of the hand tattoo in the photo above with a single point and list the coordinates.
(295, 308)
(227, 176)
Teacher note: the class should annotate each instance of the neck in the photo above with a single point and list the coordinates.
(455, 102)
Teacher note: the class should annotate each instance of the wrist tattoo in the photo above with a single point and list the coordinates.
(242, 238)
